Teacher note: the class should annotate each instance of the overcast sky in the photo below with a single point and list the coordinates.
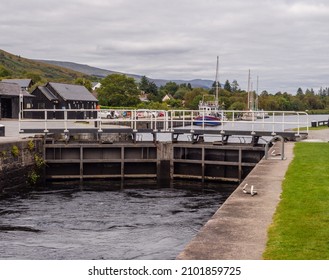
(284, 42)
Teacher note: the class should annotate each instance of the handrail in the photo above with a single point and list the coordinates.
(277, 137)
(162, 121)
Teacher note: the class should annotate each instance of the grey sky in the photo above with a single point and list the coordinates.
(284, 42)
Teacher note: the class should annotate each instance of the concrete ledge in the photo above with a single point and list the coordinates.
(238, 230)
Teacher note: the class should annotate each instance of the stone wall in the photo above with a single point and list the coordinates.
(18, 163)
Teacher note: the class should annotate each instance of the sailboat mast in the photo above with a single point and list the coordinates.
(216, 97)
(256, 102)
(249, 90)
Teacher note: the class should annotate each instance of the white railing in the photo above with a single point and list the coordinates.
(161, 121)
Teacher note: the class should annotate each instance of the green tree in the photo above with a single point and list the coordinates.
(174, 103)
(180, 93)
(143, 84)
(193, 97)
(237, 106)
(118, 90)
(147, 86)
(227, 86)
(169, 88)
(84, 82)
(300, 92)
(35, 77)
(235, 86)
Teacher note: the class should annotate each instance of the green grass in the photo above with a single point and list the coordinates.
(300, 228)
(312, 128)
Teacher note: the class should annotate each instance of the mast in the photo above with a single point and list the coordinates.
(256, 102)
(216, 96)
(249, 90)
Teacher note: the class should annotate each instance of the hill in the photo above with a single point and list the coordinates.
(14, 66)
(101, 73)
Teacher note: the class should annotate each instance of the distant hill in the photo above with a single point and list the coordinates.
(83, 68)
(101, 73)
(14, 66)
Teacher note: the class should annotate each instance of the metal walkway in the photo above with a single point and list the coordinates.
(288, 124)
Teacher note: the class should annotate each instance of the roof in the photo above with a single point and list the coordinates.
(23, 83)
(47, 93)
(11, 89)
(72, 92)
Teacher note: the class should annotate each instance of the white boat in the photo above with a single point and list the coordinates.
(249, 116)
(253, 112)
(262, 115)
(209, 111)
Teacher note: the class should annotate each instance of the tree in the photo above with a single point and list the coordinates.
(237, 106)
(193, 97)
(235, 86)
(300, 92)
(213, 87)
(180, 93)
(116, 100)
(143, 84)
(83, 82)
(169, 88)
(118, 89)
(147, 86)
(35, 77)
(227, 86)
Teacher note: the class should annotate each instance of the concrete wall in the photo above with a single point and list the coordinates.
(17, 160)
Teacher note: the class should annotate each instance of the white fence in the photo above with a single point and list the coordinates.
(160, 121)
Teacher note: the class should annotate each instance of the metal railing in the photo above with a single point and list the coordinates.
(160, 121)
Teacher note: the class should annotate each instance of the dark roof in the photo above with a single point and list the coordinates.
(47, 93)
(23, 83)
(10, 89)
(72, 92)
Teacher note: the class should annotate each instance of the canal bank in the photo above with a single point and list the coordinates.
(19, 161)
(238, 230)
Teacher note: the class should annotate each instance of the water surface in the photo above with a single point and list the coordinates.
(138, 223)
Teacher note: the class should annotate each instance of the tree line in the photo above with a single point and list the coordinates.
(118, 90)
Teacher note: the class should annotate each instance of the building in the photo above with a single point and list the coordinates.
(167, 97)
(25, 84)
(64, 96)
(10, 99)
(96, 85)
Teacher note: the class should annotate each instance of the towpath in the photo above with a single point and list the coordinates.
(238, 230)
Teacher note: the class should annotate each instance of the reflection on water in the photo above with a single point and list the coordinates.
(132, 223)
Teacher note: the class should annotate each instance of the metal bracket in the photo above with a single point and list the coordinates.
(251, 191)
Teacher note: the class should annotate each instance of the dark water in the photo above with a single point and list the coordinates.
(74, 223)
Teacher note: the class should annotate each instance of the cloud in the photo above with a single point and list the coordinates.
(283, 42)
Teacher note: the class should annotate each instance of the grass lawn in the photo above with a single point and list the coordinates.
(300, 228)
(312, 128)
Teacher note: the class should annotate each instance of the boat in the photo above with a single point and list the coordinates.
(207, 120)
(248, 116)
(262, 115)
(254, 113)
(209, 111)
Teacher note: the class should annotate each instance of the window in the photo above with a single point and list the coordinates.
(41, 106)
